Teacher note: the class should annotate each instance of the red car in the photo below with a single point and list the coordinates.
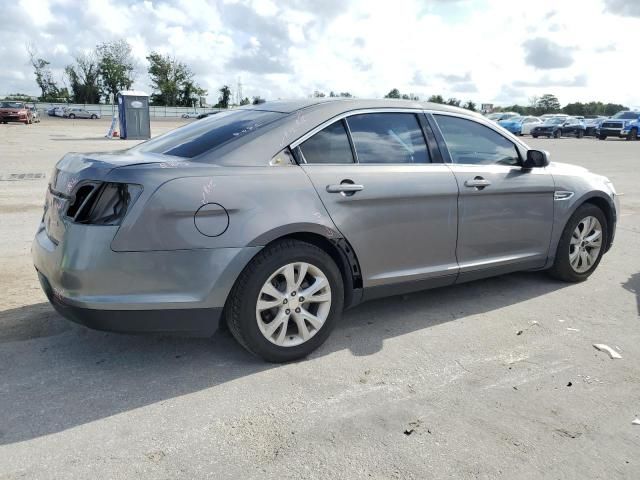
(15, 112)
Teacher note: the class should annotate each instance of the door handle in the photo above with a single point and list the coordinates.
(345, 188)
(477, 182)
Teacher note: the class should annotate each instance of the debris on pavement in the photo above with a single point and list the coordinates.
(636, 422)
(569, 384)
(573, 329)
(519, 332)
(606, 348)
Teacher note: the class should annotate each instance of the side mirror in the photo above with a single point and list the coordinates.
(536, 159)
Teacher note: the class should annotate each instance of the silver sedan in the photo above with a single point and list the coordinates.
(274, 218)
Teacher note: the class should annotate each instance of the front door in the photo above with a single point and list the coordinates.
(505, 213)
(398, 210)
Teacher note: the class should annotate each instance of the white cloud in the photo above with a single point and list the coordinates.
(481, 50)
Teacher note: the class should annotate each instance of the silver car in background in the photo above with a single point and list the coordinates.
(80, 113)
(273, 218)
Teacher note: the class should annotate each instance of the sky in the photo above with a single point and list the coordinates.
(487, 51)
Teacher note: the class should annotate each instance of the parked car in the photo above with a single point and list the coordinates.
(80, 113)
(558, 126)
(520, 125)
(12, 111)
(273, 218)
(34, 113)
(623, 125)
(56, 111)
(191, 115)
(592, 125)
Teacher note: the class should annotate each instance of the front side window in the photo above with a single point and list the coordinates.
(388, 138)
(329, 145)
(471, 143)
(209, 133)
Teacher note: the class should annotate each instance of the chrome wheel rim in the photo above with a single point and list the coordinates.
(585, 245)
(293, 304)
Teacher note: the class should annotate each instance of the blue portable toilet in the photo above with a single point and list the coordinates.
(133, 113)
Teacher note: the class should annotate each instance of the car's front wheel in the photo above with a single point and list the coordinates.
(286, 301)
(580, 134)
(633, 134)
(581, 245)
(557, 134)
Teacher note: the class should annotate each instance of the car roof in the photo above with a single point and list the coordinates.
(347, 104)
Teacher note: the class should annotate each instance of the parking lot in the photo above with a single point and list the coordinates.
(491, 379)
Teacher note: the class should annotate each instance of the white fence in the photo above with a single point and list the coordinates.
(107, 110)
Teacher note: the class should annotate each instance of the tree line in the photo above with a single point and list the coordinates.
(549, 103)
(109, 68)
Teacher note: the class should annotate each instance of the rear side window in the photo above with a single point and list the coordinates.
(329, 145)
(388, 138)
(472, 143)
(211, 132)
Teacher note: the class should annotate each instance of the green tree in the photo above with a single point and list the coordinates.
(224, 98)
(454, 102)
(44, 78)
(548, 103)
(245, 101)
(84, 79)
(318, 94)
(469, 105)
(172, 82)
(436, 99)
(116, 67)
(394, 93)
(258, 100)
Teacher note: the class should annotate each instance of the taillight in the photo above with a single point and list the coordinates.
(108, 205)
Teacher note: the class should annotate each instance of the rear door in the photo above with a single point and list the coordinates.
(505, 213)
(397, 208)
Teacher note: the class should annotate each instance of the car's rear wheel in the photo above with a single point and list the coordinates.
(581, 245)
(602, 137)
(286, 301)
(72, 116)
(93, 117)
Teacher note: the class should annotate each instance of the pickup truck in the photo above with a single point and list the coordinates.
(623, 124)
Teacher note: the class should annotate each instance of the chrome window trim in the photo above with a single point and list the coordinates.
(350, 113)
(344, 118)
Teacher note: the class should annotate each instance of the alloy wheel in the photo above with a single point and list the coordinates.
(585, 244)
(293, 304)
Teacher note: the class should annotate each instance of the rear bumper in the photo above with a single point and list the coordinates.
(153, 291)
(189, 321)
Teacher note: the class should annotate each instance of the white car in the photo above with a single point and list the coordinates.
(528, 123)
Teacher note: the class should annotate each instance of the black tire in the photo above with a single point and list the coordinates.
(602, 137)
(93, 117)
(557, 133)
(72, 116)
(561, 268)
(240, 313)
(633, 134)
(580, 134)
(534, 136)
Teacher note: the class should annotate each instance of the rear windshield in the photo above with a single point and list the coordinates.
(204, 135)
